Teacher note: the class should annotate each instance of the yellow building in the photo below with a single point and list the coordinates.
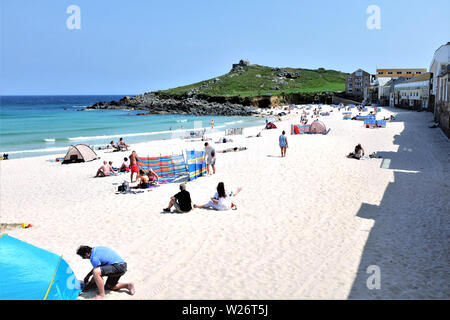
(396, 73)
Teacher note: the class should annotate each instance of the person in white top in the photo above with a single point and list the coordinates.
(222, 200)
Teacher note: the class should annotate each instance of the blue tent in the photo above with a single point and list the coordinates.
(31, 273)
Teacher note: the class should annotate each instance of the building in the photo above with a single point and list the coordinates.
(356, 84)
(440, 86)
(388, 77)
(371, 92)
(397, 73)
(413, 93)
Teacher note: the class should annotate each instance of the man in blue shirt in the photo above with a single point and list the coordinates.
(105, 262)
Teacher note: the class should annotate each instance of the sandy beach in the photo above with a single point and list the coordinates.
(307, 226)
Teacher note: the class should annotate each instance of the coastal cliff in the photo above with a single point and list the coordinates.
(239, 92)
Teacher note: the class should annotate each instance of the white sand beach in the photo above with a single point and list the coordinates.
(307, 225)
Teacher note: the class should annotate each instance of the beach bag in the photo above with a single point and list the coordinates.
(125, 187)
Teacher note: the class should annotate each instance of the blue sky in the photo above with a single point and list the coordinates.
(131, 47)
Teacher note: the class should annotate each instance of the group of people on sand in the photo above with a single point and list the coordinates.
(106, 170)
(129, 164)
(222, 200)
(120, 146)
(107, 263)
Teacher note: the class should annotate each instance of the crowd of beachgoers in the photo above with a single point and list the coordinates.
(261, 177)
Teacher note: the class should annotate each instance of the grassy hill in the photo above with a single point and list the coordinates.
(255, 80)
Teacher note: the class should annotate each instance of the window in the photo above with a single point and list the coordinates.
(380, 72)
(418, 72)
(389, 72)
(408, 72)
(399, 72)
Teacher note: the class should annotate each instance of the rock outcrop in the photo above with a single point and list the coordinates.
(152, 103)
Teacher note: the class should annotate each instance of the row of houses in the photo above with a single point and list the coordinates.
(417, 88)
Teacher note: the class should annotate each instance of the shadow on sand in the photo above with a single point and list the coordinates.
(409, 241)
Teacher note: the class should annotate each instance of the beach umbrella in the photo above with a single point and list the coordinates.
(31, 273)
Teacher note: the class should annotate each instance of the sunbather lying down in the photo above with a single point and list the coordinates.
(224, 140)
(257, 136)
(235, 149)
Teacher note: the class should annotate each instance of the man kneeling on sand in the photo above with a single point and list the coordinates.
(181, 201)
(105, 262)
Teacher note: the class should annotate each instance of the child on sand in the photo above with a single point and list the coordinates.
(125, 165)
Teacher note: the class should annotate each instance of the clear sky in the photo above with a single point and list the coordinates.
(131, 47)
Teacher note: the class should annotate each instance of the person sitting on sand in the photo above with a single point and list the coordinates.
(133, 164)
(358, 154)
(114, 146)
(221, 200)
(122, 145)
(125, 165)
(105, 262)
(181, 201)
(105, 170)
(152, 176)
(144, 181)
(113, 170)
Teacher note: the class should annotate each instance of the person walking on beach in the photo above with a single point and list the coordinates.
(133, 165)
(181, 201)
(105, 262)
(283, 143)
(213, 161)
(209, 158)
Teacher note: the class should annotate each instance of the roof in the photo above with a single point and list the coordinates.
(422, 77)
(437, 52)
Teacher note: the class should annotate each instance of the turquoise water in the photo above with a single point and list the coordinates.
(41, 125)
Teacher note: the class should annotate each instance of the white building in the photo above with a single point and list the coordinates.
(439, 67)
(413, 93)
(439, 62)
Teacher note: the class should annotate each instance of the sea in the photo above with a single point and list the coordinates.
(47, 125)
